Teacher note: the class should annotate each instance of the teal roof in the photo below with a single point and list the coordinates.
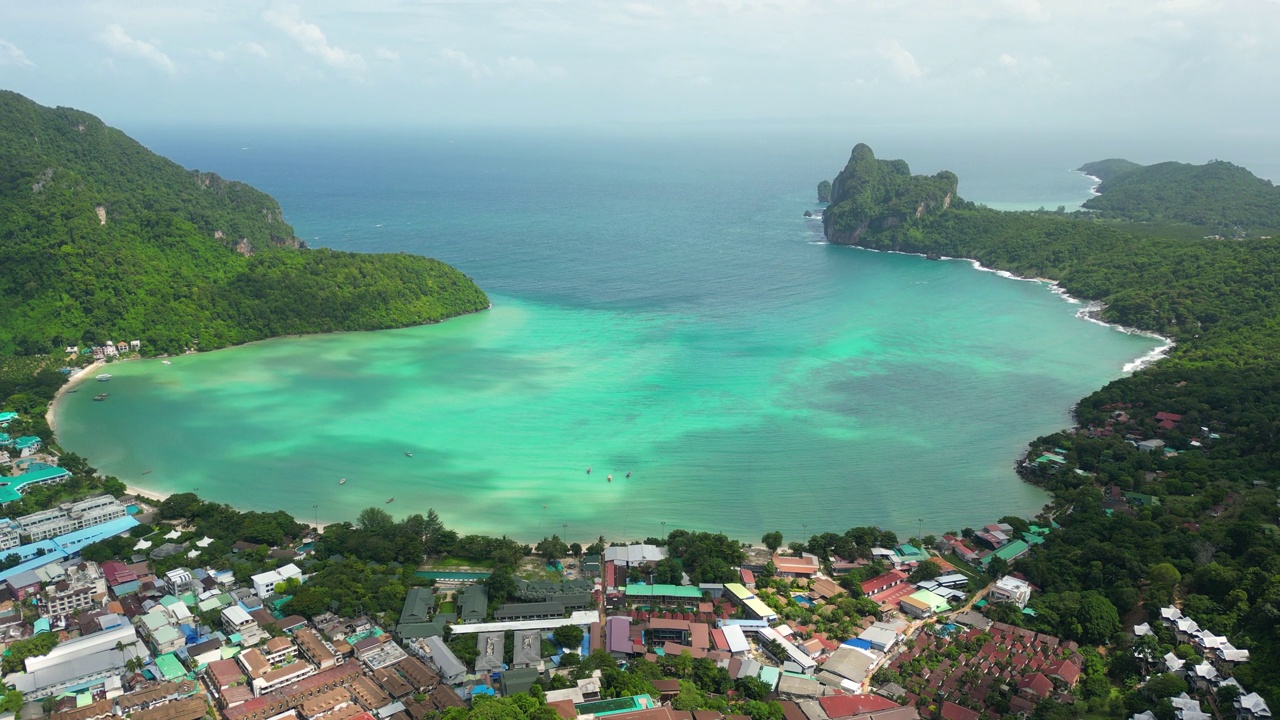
(645, 590)
(1008, 552)
(26, 441)
(1033, 539)
(8, 416)
(911, 553)
(11, 488)
(5, 439)
(169, 667)
(40, 626)
(1050, 457)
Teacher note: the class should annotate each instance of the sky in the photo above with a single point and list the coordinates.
(1143, 65)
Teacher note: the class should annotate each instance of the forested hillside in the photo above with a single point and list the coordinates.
(1211, 544)
(101, 239)
(1218, 196)
(1104, 170)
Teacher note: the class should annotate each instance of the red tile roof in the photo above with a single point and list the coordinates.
(952, 711)
(1065, 670)
(806, 565)
(1036, 684)
(564, 708)
(880, 582)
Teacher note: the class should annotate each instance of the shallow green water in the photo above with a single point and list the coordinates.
(907, 397)
(661, 308)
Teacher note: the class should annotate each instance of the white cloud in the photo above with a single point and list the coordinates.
(1008, 60)
(528, 68)
(1030, 10)
(903, 62)
(119, 41)
(312, 38)
(460, 59)
(387, 55)
(11, 54)
(254, 48)
(216, 55)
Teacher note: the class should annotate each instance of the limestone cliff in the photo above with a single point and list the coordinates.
(872, 195)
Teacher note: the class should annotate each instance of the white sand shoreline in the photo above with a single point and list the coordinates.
(72, 381)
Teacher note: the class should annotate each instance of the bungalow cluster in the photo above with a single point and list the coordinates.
(987, 670)
(110, 349)
(997, 540)
(1218, 659)
(1152, 435)
(25, 446)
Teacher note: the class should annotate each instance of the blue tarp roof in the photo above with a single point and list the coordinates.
(858, 643)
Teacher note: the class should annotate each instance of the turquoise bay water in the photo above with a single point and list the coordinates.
(660, 307)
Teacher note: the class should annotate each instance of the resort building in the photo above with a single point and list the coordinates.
(446, 663)
(749, 602)
(618, 643)
(12, 488)
(80, 663)
(790, 566)
(1011, 590)
(264, 584)
(634, 555)
(238, 622)
(69, 517)
(650, 595)
(883, 582)
(923, 604)
(10, 534)
(473, 603)
(178, 580)
(315, 649)
(82, 587)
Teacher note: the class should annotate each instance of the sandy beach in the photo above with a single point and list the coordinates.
(72, 381)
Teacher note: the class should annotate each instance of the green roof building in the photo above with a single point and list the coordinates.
(169, 667)
(7, 417)
(922, 604)
(662, 593)
(473, 603)
(1010, 552)
(415, 617)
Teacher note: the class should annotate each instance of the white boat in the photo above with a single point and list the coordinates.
(343, 481)
(103, 377)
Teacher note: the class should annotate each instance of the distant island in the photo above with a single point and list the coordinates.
(1218, 196)
(103, 241)
(1170, 476)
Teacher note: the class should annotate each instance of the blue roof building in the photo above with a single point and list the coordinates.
(56, 549)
